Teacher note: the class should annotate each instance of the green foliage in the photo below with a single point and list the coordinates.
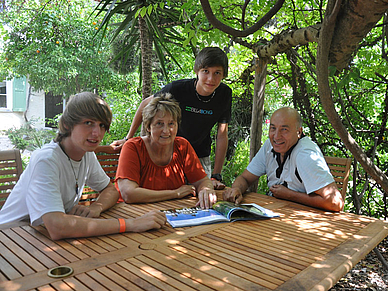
(28, 138)
(53, 44)
(160, 19)
(237, 165)
(124, 106)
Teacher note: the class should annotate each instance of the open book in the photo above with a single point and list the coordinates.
(222, 211)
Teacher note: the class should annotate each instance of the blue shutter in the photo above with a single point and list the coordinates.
(19, 94)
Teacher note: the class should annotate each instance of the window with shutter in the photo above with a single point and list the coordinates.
(19, 94)
(3, 94)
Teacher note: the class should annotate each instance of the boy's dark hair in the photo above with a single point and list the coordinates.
(211, 57)
(85, 105)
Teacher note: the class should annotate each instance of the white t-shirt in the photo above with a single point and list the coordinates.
(48, 184)
(305, 160)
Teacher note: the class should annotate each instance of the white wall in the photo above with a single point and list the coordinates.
(9, 119)
(35, 110)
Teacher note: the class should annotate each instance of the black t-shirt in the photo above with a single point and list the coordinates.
(199, 117)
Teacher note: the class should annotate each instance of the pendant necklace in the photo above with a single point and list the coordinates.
(196, 93)
(71, 164)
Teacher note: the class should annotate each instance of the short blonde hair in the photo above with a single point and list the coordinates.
(165, 103)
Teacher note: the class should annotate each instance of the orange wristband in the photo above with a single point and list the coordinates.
(122, 225)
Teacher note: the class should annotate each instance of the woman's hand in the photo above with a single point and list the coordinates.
(185, 190)
(218, 185)
(206, 198)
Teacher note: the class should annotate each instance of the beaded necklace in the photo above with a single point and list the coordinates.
(199, 98)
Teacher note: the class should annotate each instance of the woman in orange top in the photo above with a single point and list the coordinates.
(161, 166)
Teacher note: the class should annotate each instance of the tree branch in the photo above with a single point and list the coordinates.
(234, 32)
(324, 43)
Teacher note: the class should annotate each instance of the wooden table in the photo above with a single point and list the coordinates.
(303, 249)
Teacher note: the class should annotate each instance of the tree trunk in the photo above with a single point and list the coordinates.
(258, 110)
(146, 58)
(146, 63)
(324, 44)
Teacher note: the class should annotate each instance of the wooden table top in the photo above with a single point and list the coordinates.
(303, 249)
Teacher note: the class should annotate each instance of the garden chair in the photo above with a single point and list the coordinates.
(108, 159)
(340, 169)
(11, 168)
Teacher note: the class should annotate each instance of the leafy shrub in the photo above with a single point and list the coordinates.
(29, 138)
(124, 106)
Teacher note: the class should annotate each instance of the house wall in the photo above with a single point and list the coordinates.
(35, 110)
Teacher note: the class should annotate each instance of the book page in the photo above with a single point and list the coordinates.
(243, 211)
(192, 216)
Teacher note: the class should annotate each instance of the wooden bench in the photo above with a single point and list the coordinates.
(108, 159)
(340, 169)
(11, 168)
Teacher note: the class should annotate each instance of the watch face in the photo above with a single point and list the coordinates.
(217, 177)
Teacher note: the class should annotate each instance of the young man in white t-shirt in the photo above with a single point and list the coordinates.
(295, 167)
(50, 187)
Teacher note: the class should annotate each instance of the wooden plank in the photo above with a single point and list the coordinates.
(61, 285)
(125, 269)
(14, 261)
(170, 276)
(81, 266)
(266, 251)
(295, 236)
(265, 232)
(123, 282)
(79, 243)
(256, 258)
(103, 280)
(76, 284)
(239, 262)
(19, 257)
(261, 256)
(267, 246)
(151, 275)
(195, 269)
(100, 245)
(30, 248)
(323, 274)
(7, 271)
(90, 282)
(230, 266)
(60, 247)
(48, 252)
(48, 288)
(293, 241)
(113, 242)
(140, 270)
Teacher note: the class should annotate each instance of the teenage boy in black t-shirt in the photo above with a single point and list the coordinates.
(204, 101)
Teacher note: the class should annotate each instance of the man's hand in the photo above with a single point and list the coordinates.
(280, 191)
(151, 220)
(84, 211)
(206, 198)
(233, 195)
